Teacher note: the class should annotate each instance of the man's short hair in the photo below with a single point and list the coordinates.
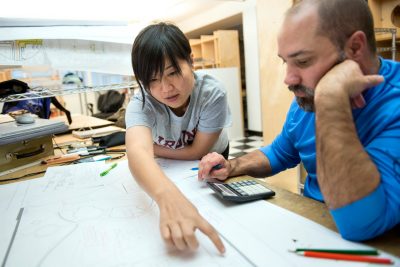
(339, 19)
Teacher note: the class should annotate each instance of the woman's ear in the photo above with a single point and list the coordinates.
(192, 60)
(356, 46)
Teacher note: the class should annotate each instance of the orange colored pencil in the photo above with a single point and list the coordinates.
(347, 257)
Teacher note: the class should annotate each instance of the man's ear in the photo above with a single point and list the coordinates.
(356, 46)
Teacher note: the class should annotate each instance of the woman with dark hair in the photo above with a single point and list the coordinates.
(179, 114)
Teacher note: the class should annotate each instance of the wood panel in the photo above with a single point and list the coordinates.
(386, 14)
(275, 97)
(5, 75)
(382, 11)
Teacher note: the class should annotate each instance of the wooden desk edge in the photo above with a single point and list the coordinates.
(319, 213)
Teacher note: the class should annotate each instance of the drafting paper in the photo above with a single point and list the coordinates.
(75, 217)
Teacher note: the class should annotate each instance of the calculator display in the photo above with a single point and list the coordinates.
(241, 191)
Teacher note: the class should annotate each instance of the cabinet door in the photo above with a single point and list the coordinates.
(227, 44)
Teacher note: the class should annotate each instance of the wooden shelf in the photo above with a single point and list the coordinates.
(216, 51)
(382, 37)
(195, 42)
(386, 14)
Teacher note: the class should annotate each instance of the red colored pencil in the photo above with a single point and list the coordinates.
(347, 257)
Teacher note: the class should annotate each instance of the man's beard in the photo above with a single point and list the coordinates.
(306, 102)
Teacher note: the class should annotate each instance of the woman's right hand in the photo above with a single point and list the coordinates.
(179, 220)
(207, 164)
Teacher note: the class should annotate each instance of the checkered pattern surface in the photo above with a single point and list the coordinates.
(242, 146)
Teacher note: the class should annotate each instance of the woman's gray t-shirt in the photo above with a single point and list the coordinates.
(208, 112)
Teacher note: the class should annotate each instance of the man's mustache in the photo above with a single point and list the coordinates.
(301, 88)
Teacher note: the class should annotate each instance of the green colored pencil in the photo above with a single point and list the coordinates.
(342, 251)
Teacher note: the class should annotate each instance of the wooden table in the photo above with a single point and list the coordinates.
(306, 207)
(80, 121)
(319, 213)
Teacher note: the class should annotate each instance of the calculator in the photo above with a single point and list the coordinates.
(241, 191)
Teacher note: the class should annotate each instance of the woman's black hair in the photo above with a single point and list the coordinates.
(152, 46)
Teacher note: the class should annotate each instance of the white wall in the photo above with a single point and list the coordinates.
(249, 15)
(250, 39)
(214, 14)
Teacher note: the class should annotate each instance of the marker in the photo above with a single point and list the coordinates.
(342, 251)
(347, 257)
(104, 173)
(216, 167)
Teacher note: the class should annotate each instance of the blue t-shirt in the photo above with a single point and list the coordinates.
(378, 128)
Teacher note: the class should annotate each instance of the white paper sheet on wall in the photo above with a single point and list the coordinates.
(75, 217)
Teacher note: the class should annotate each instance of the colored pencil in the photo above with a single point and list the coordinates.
(342, 251)
(347, 257)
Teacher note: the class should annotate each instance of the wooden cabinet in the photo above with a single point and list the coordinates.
(219, 50)
(386, 15)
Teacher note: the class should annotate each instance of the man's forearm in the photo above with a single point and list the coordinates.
(255, 164)
(345, 171)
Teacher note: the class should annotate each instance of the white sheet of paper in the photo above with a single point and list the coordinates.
(75, 217)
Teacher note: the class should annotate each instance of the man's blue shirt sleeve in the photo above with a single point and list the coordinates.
(364, 218)
(379, 211)
(282, 153)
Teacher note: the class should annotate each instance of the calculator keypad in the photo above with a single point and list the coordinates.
(241, 191)
(249, 187)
